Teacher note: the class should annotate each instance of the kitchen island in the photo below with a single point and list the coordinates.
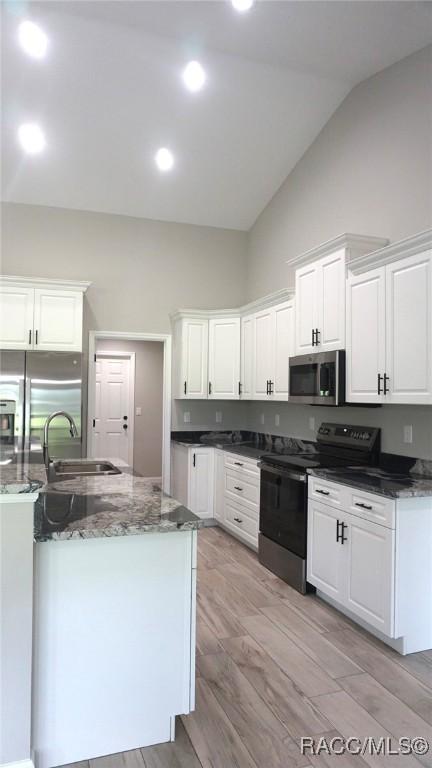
(114, 615)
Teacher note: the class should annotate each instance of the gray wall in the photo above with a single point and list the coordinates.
(140, 270)
(369, 171)
(149, 396)
(294, 421)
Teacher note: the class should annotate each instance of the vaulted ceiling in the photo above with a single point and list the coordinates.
(109, 94)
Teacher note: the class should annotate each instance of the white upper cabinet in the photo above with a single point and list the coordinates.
(16, 317)
(365, 352)
(306, 308)
(224, 358)
(409, 329)
(320, 305)
(191, 358)
(247, 356)
(389, 326)
(284, 347)
(41, 314)
(58, 320)
(263, 354)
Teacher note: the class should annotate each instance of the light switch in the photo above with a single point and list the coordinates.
(138, 410)
(312, 423)
(218, 417)
(186, 417)
(408, 433)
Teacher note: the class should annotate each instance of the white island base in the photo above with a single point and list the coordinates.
(114, 643)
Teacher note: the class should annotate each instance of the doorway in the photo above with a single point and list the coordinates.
(129, 401)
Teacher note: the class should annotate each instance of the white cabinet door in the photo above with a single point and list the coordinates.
(58, 320)
(284, 336)
(331, 302)
(409, 330)
(306, 307)
(179, 473)
(366, 337)
(201, 481)
(263, 355)
(247, 357)
(224, 358)
(325, 555)
(194, 358)
(219, 487)
(16, 317)
(370, 573)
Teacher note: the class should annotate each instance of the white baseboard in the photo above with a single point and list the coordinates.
(18, 764)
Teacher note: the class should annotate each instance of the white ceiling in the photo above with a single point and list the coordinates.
(109, 94)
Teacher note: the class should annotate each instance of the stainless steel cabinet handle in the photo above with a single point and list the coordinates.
(238, 520)
(237, 488)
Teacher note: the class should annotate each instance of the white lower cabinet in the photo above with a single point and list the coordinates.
(376, 572)
(192, 477)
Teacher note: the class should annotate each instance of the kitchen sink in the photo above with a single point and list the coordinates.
(83, 467)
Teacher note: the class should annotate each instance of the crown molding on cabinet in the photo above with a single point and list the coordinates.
(398, 250)
(44, 282)
(355, 244)
(278, 297)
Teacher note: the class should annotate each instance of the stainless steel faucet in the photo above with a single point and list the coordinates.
(73, 433)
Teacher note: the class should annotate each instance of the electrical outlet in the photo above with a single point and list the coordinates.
(218, 417)
(408, 433)
(277, 420)
(138, 410)
(262, 419)
(312, 423)
(186, 417)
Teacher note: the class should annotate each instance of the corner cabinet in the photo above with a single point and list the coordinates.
(389, 330)
(41, 315)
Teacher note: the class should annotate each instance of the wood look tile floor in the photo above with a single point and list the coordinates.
(273, 666)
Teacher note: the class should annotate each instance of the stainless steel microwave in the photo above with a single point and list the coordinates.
(317, 379)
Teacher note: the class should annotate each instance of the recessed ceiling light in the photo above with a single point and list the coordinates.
(32, 39)
(31, 138)
(194, 76)
(242, 5)
(164, 159)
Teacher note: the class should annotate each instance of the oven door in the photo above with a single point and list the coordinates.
(283, 508)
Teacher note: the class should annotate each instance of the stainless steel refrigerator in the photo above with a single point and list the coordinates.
(32, 386)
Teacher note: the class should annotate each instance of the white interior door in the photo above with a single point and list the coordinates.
(224, 358)
(409, 329)
(112, 435)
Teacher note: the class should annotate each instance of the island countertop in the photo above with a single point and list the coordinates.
(88, 507)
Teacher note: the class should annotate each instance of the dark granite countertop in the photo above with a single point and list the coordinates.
(379, 481)
(90, 507)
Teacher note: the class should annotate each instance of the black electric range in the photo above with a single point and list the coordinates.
(282, 541)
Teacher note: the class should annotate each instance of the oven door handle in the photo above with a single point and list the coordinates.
(292, 475)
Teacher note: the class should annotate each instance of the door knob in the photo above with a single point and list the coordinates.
(124, 426)
(125, 418)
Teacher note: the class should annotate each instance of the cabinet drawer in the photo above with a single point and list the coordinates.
(241, 464)
(244, 488)
(237, 519)
(327, 492)
(369, 506)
